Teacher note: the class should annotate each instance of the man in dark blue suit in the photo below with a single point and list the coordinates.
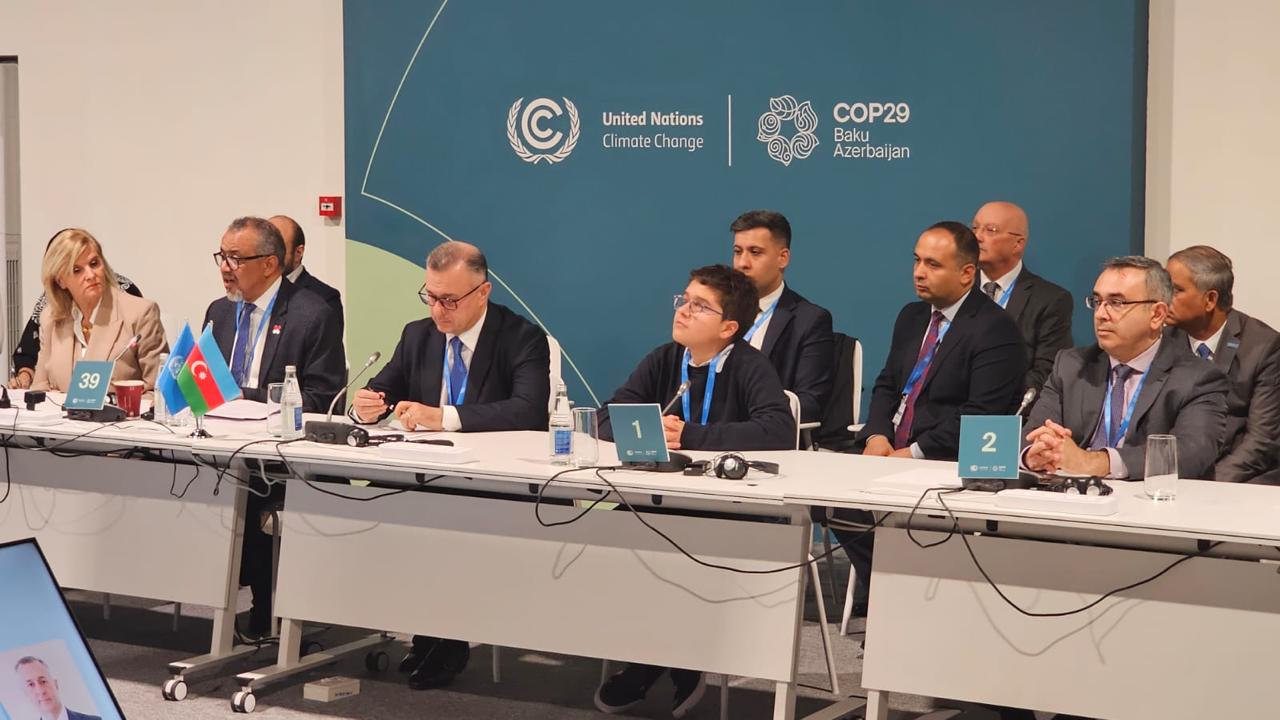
(41, 688)
(792, 332)
(953, 353)
(264, 324)
(472, 366)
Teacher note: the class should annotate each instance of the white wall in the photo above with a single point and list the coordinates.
(1213, 138)
(154, 123)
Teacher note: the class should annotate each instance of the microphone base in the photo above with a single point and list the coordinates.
(677, 463)
(328, 433)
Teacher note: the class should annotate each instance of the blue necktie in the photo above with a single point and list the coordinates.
(240, 352)
(457, 372)
(1203, 351)
(1117, 404)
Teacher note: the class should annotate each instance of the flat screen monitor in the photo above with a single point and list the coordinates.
(45, 664)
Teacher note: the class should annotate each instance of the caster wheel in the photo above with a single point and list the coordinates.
(244, 701)
(175, 689)
(377, 662)
(311, 647)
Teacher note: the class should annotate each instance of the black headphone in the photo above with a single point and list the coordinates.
(730, 466)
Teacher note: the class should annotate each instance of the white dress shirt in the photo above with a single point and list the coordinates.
(1212, 342)
(766, 302)
(77, 318)
(255, 321)
(449, 419)
(1004, 282)
(948, 315)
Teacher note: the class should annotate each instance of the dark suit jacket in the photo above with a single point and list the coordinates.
(1249, 354)
(1042, 312)
(1182, 396)
(749, 410)
(970, 374)
(73, 715)
(309, 338)
(798, 342)
(325, 292)
(508, 383)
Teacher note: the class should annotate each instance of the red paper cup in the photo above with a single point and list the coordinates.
(129, 396)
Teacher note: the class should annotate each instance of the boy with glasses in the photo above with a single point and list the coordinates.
(735, 401)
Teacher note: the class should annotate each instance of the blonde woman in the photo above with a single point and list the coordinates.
(89, 317)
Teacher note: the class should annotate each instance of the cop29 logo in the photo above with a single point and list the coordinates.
(533, 126)
(772, 124)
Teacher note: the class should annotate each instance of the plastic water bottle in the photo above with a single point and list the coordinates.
(160, 410)
(291, 405)
(560, 428)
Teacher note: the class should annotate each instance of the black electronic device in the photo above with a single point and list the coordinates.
(33, 398)
(1024, 481)
(730, 466)
(329, 432)
(107, 414)
(5, 404)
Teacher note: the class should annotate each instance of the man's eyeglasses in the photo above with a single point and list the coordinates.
(234, 261)
(1113, 305)
(696, 307)
(449, 303)
(992, 230)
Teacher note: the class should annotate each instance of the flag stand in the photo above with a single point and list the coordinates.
(200, 432)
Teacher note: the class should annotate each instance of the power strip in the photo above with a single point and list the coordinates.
(1056, 502)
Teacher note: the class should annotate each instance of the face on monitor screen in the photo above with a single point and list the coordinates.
(46, 668)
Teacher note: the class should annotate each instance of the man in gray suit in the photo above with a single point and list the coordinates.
(1102, 401)
(1246, 349)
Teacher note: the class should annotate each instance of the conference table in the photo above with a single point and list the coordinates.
(445, 542)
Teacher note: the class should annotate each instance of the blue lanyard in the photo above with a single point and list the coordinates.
(448, 390)
(1114, 437)
(253, 346)
(1004, 296)
(923, 363)
(764, 316)
(711, 383)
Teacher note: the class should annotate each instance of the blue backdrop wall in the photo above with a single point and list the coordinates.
(516, 126)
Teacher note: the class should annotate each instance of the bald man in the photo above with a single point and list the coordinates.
(295, 245)
(1041, 310)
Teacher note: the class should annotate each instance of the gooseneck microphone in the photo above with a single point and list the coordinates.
(367, 364)
(328, 432)
(1027, 398)
(133, 343)
(680, 391)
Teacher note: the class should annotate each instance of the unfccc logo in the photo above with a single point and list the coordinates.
(532, 127)
(802, 117)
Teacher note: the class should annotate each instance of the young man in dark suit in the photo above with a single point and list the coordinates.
(1245, 348)
(1102, 401)
(472, 366)
(735, 402)
(794, 333)
(295, 245)
(1041, 309)
(952, 354)
(263, 324)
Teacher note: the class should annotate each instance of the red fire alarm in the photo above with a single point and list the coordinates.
(331, 206)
